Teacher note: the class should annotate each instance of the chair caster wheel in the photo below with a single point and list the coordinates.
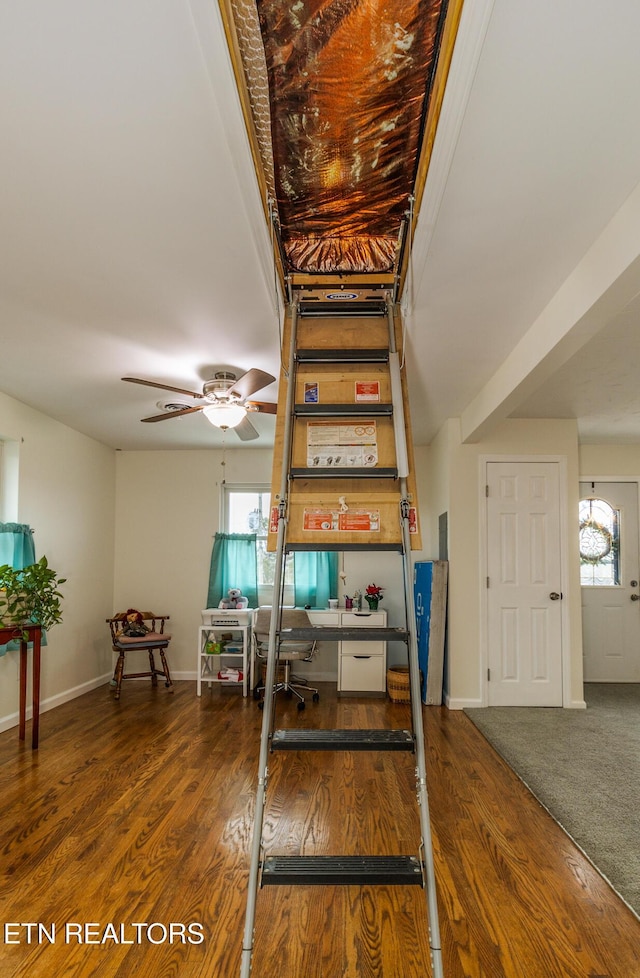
(301, 706)
(316, 697)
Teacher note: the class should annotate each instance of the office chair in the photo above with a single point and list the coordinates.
(288, 652)
(154, 639)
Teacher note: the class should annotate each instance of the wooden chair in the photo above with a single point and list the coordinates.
(155, 640)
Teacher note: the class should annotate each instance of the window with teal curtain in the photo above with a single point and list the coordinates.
(17, 550)
(233, 564)
(315, 577)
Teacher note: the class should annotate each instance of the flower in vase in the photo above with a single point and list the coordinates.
(373, 595)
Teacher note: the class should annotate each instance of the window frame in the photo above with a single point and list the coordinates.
(265, 588)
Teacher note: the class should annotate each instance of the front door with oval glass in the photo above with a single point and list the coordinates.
(609, 575)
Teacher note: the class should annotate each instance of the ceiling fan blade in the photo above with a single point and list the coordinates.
(245, 430)
(254, 380)
(264, 407)
(162, 387)
(175, 414)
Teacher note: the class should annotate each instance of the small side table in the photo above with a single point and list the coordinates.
(34, 633)
(209, 665)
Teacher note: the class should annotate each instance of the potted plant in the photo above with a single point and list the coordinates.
(373, 596)
(30, 596)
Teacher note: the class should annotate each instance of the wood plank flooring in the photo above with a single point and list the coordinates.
(139, 812)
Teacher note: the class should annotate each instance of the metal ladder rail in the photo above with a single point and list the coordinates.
(269, 701)
(435, 943)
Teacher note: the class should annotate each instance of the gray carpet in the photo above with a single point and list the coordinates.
(584, 767)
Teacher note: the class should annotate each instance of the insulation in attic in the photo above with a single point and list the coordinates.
(339, 94)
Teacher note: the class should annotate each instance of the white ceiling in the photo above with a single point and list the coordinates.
(132, 238)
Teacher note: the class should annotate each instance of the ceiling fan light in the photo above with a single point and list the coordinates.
(224, 415)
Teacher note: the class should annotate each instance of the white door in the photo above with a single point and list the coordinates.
(609, 573)
(524, 594)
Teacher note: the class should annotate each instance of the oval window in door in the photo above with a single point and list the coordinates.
(599, 542)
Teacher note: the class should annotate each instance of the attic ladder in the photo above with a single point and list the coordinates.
(296, 487)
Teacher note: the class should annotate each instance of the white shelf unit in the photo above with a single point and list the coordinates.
(216, 624)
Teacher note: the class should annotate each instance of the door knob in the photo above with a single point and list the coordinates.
(555, 596)
(635, 597)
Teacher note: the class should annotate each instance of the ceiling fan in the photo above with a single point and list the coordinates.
(226, 400)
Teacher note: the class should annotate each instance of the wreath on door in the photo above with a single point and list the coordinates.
(596, 541)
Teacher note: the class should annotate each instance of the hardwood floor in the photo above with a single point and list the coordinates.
(140, 812)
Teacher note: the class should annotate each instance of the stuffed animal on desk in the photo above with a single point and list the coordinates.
(235, 600)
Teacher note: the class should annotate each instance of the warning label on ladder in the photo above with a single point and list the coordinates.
(341, 445)
(367, 390)
(365, 520)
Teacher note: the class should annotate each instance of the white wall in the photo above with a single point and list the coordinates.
(167, 512)
(65, 490)
(610, 461)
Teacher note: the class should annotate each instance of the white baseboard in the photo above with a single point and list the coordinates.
(314, 677)
(12, 719)
(452, 703)
(186, 675)
(320, 677)
(458, 704)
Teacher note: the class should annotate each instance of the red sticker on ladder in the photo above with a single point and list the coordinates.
(367, 390)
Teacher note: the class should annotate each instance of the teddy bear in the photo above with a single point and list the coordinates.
(235, 600)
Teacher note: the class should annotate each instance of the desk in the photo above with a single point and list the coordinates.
(35, 635)
(362, 666)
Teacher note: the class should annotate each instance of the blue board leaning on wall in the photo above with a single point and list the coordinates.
(430, 596)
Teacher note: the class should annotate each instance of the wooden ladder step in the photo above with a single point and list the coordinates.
(338, 740)
(342, 871)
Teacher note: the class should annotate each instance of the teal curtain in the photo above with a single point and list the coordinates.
(16, 545)
(17, 550)
(315, 576)
(233, 564)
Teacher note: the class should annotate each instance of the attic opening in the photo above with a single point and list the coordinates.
(341, 100)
